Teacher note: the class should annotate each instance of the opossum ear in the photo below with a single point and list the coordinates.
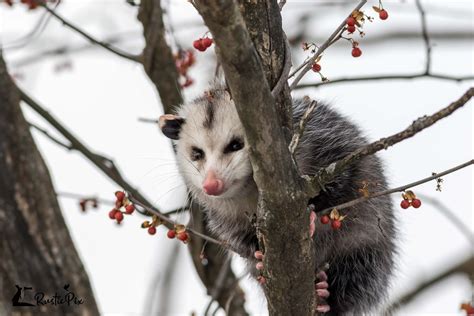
(170, 125)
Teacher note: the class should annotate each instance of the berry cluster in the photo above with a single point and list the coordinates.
(409, 199)
(334, 217)
(178, 232)
(202, 44)
(183, 60)
(121, 201)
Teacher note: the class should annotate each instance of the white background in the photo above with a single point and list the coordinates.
(102, 95)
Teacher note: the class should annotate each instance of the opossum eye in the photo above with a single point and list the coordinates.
(234, 145)
(196, 154)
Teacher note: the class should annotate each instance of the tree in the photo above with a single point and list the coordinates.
(36, 251)
(252, 51)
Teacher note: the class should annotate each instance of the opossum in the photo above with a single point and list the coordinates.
(213, 160)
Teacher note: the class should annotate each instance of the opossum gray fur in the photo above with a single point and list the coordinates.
(209, 136)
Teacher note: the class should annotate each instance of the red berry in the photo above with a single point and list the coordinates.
(199, 45)
(416, 203)
(129, 209)
(336, 224)
(183, 236)
(405, 204)
(383, 15)
(112, 214)
(171, 234)
(120, 195)
(324, 219)
(351, 21)
(207, 42)
(118, 216)
(356, 52)
(351, 29)
(152, 230)
(316, 67)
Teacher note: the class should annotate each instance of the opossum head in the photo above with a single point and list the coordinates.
(210, 146)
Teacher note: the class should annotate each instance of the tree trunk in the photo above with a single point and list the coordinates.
(36, 249)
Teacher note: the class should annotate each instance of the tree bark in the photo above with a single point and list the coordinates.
(282, 223)
(36, 249)
(157, 55)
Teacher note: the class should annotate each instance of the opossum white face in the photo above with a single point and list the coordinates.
(210, 145)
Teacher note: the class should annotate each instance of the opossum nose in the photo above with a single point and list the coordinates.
(212, 185)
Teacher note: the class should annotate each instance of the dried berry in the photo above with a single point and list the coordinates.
(171, 234)
(336, 224)
(350, 21)
(207, 42)
(129, 209)
(416, 203)
(405, 204)
(324, 219)
(112, 213)
(118, 216)
(351, 29)
(152, 230)
(383, 15)
(183, 236)
(316, 67)
(120, 195)
(356, 52)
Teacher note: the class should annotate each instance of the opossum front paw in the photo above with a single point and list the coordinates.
(259, 266)
(322, 293)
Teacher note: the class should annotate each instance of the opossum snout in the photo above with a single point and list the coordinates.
(213, 185)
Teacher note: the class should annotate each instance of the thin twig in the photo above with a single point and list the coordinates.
(285, 71)
(301, 126)
(77, 196)
(306, 66)
(397, 189)
(426, 38)
(52, 138)
(171, 222)
(466, 267)
(326, 175)
(219, 283)
(107, 46)
(384, 77)
(106, 165)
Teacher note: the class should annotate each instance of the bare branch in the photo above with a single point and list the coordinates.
(384, 77)
(466, 267)
(301, 126)
(426, 38)
(327, 174)
(171, 223)
(158, 60)
(397, 189)
(105, 45)
(77, 196)
(52, 138)
(306, 66)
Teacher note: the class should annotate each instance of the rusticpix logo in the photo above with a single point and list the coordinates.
(23, 295)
